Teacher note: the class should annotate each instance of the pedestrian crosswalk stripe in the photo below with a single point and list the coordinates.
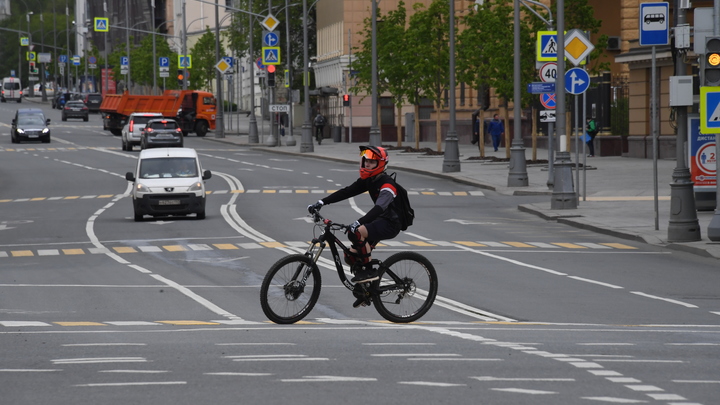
(519, 244)
(79, 323)
(571, 246)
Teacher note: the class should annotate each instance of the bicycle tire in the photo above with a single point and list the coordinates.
(282, 300)
(410, 301)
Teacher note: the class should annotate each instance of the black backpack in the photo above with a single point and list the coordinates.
(402, 206)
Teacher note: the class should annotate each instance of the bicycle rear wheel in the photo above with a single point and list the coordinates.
(290, 289)
(407, 288)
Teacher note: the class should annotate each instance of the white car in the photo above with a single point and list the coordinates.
(168, 181)
(132, 131)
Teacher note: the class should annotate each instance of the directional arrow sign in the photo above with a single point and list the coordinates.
(577, 81)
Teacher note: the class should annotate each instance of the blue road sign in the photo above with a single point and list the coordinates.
(270, 39)
(102, 24)
(271, 56)
(548, 100)
(76, 60)
(124, 61)
(62, 58)
(164, 61)
(577, 81)
(710, 110)
(547, 48)
(92, 60)
(654, 24)
(184, 62)
(541, 87)
(228, 60)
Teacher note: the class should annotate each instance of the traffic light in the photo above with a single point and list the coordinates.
(33, 69)
(271, 75)
(346, 100)
(711, 70)
(181, 77)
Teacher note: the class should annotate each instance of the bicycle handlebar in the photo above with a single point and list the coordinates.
(317, 218)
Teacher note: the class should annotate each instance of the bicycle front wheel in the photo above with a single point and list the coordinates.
(290, 289)
(407, 288)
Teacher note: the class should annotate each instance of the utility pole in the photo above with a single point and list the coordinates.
(219, 123)
(252, 130)
(518, 177)
(451, 160)
(375, 134)
(306, 141)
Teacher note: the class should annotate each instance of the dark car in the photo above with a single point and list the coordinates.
(30, 124)
(161, 133)
(75, 109)
(93, 101)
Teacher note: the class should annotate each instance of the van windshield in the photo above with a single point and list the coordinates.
(168, 168)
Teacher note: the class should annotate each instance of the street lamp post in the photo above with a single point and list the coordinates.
(375, 134)
(291, 139)
(220, 125)
(42, 49)
(31, 86)
(517, 177)
(67, 44)
(451, 158)
(184, 47)
(306, 142)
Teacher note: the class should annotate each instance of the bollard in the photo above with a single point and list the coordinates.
(563, 195)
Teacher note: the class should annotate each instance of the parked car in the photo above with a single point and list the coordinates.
(132, 129)
(168, 181)
(75, 109)
(93, 101)
(161, 132)
(30, 124)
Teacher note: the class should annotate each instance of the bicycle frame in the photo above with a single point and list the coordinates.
(328, 237)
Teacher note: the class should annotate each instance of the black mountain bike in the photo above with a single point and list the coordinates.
(404, 292)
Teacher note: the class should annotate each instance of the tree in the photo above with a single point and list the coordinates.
(203, 71)
(391, 44)
(428, 36)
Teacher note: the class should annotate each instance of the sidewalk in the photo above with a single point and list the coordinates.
(617, 194)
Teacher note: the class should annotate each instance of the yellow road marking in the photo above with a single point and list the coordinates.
(269, 191)
(273, 244)
(460, 193)
(419, 243)
(124, 249)
(469, 243)
(302, 191)
(21, 253)
(618, 246)
(174, 248)
(106, 196)
(519, 244)
(225, 246)
(37, 199)
(72, 197)
(73, 251)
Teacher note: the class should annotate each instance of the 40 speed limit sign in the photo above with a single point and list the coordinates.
(548, 72)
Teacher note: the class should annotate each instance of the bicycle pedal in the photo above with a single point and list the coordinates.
(361, 302)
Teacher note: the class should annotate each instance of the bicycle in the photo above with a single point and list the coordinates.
(404, 292)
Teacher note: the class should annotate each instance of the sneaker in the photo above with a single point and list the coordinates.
(365, 275)
(361, 302)
(590, 155)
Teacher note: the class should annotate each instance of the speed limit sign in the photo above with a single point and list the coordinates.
(548, 72)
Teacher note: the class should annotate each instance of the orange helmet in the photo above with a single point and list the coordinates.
(372, 153)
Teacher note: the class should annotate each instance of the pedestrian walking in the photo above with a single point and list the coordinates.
(496, 128)
(591, 130)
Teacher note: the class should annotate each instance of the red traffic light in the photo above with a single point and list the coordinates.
(271, 68)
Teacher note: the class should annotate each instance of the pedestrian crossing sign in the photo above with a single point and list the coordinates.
(710, 110)
(271, 55)
(102, 24)
(547, 46)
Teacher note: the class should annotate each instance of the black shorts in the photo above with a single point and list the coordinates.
(381, 229)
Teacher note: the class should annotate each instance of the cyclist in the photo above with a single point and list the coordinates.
(381, 222)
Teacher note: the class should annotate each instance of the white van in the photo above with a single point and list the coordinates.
(168, 181)
(11, 90)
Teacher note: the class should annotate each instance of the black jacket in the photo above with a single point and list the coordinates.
(382, 190)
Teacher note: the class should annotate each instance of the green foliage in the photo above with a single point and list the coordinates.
(620, 117)
(203, 71)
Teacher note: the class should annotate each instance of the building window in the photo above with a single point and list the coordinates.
(387, 111)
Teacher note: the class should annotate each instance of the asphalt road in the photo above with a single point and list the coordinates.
(96, 308)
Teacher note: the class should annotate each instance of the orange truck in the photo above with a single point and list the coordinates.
(193, 110)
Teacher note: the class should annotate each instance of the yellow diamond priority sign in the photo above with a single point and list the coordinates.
(270, 22)
(577, 46)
